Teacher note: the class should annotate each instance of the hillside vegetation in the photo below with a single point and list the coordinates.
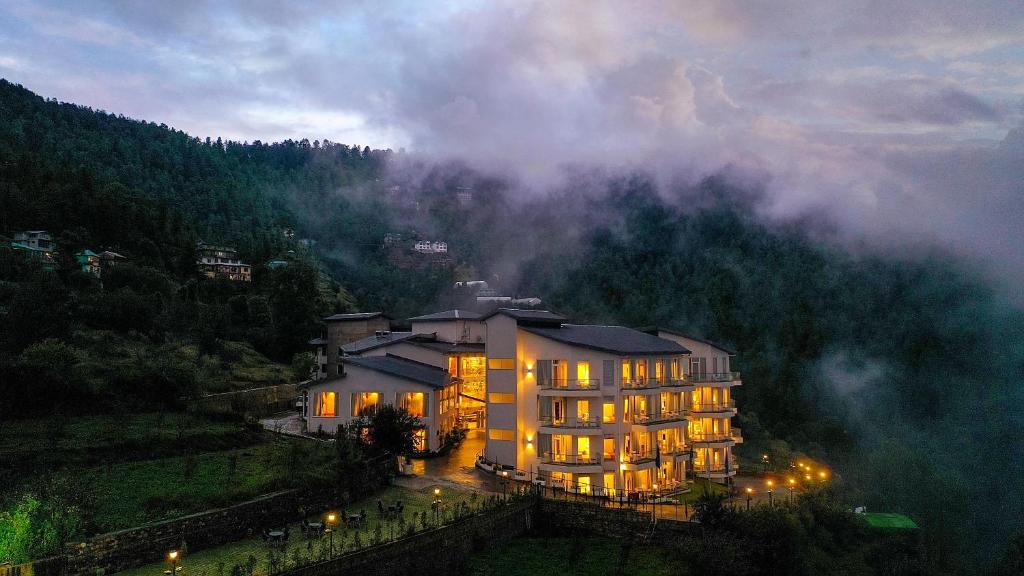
(879, 364)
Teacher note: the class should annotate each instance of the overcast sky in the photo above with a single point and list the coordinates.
(892, 116)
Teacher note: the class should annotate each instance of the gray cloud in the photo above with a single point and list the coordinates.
(886, 116)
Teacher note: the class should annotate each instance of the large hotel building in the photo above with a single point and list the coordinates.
(588, 406)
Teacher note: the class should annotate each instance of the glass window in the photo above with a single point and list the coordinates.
(364, 403)
(327, 404)
(583, 371)
(414, 403)
(419, 440)
(500, 434)
(627, 372)
(501, 363)
(608, 412)
(609, 448)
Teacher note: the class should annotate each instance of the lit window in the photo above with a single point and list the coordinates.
(583, 371)
(608, 414)
(626, 372)
(453, 365)
(419, 440)
(498, 398)
(609, 448)
(327, 405)
(501, 363)
(413, 402)
(501, 434)
(364, 403)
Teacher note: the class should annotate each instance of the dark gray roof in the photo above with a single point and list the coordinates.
(402, 368)
(530, 317)
(613, 339)
(355, 316)
(655, 329)
(374, 342)
(446, 347)
(447, 315)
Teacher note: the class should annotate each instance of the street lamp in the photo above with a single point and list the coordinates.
(771, 500)
(792, 486)
(764, 459)
(504, 484)
(332, 518)
(822, 474)
(750, 492)
(437, 504)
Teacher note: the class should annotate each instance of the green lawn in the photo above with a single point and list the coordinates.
(888, 520)
(219, 561)
(580, 556)
(44, 438)
(134, 493)
(698, 488)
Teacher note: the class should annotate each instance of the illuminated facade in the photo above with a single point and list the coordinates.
(597, 408)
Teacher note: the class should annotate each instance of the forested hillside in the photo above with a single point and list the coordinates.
(903, 372)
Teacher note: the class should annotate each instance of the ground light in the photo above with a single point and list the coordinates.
(172, 557)
(332, 518)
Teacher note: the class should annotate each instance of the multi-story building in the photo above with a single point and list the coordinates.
(222, 262)
(711, 406)
(443, 350)
(597, 407)
(342, 329)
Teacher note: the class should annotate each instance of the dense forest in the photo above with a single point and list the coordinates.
(903, 372)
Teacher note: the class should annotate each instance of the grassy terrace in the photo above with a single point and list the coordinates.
(534, 556)
(300, 549)
(128, 470)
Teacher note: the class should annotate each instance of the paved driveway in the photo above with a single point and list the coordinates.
(457, 468)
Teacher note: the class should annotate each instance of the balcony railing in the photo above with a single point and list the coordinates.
(714, 377)
(674, 450)
(714, 406)
(656, 418)
(648, 383)
(570, 422)
(639, 457)
(702, 438)
(565, 384)
(569, 459)
(699, 468)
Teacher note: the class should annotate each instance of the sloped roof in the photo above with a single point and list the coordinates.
(530, 317)
(317, 342)
(432, 343)
(613, 339)
(402, 368)
(355, 316)
(655, 329)
(447, 315)
(374, 342)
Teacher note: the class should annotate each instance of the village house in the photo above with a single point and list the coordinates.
(36, 245)
(222, 262)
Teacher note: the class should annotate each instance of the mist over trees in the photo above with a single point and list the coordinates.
(902, 372)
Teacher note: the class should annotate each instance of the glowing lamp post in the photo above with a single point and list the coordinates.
(436, 504)
(332, 518)
(792, 487)
(172, 557)
(764, 460)
(750, 493)
(504, 484)
(771, 500)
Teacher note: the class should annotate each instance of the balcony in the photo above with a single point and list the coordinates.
(658, 417)
(714, 471)
(713, 407)
(712, 377)
(712, 438)
(676, 450)
(569, 459)
(569, 423)
(641, 457)
(567, 387)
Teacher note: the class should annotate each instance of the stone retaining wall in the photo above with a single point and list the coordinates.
(569, 517)
(135, 547)
(253, 402)
(53, 566)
